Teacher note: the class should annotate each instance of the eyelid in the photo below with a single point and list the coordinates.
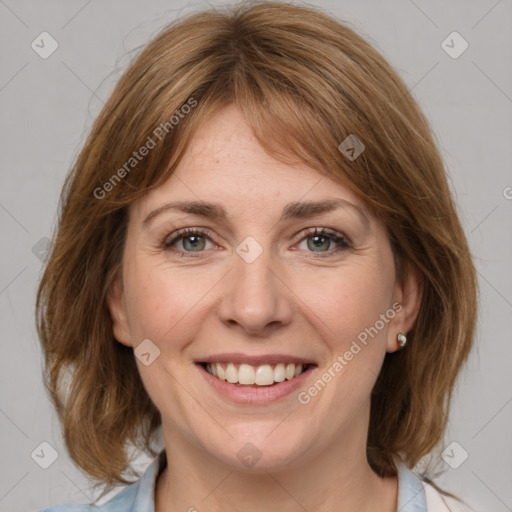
(183, 233)
(324, 232)
(343, 242)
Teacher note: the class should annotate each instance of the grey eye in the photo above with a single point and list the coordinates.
(194, 242)
(319, 242)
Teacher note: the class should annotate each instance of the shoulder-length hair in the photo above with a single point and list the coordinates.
(304, 82)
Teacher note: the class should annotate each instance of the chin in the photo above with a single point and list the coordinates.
(262, 450)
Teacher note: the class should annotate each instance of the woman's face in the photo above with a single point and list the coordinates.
(254, 288)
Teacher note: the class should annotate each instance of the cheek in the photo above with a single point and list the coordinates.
(346, 309)
(163, 301)
(349, 301)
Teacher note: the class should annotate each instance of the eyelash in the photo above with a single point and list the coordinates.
(342, 241)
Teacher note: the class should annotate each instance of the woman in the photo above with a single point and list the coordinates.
(259, 253)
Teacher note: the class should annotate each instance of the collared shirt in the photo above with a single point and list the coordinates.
(414, 495)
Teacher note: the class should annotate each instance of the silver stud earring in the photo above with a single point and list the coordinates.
(402, 339)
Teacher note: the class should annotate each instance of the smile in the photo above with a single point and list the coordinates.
(255, 380)
(251, 375)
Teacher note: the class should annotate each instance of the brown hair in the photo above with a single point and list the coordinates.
(304, 82)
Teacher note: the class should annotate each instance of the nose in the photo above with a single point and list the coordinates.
(257, 300)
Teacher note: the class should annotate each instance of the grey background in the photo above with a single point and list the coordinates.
(47, 107)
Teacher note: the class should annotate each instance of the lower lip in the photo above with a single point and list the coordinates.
(255, 394)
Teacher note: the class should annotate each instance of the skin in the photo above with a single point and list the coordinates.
(289, 300)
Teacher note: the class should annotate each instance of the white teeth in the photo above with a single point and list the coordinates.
(263, 375)
(290, 371)
(231, 373)
(221, 374)
(246, 374)
(279, 373)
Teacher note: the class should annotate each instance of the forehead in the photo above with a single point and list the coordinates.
(225, 163)
(226, 146)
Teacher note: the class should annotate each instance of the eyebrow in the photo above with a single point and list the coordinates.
(294, 210)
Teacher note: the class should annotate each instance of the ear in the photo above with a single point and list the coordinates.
(408, 292)
(117, 308)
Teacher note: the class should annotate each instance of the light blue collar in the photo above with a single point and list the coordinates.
(139, 497)
(411, 495)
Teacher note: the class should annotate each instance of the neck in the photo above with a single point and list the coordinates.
(337, 478)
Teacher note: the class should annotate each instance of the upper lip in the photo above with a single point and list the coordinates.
(254, 360)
